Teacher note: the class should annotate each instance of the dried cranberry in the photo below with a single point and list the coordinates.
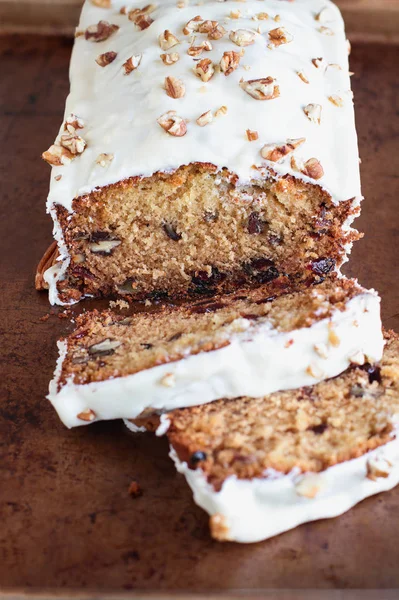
(319, 429)
(255, 224)
(175, 337)
(202, 277)
(374, 372)
(322, 266)
(171, 232)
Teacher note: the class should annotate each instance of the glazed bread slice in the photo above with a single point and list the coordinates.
(261, 466)
(120, 366)
(203, 147)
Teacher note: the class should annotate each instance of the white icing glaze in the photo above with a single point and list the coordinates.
(258, 509)
(259, 360)
(120, 111)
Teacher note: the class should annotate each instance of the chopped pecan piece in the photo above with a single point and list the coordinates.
(204, 69)
(102, 3)
(252, 136)
(74, 143)
(174, 87)
(242, 37)
(274, 152)
(100, 32)
(132, 63)
(167, 40)
(205, 118)
(192, 25)
(313, 169)
(261, 89)
(106, 59)
(213, 29)
(173, 124)
(229, 62)
(313, 113)
(197, 50)
(57, 155)
(279, 36)
(170, 59)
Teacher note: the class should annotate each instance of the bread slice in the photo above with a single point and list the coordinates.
(119, 366)
(261, 466)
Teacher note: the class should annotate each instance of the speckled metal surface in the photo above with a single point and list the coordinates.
(67, 520)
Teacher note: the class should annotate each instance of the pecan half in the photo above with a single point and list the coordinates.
(49, 259)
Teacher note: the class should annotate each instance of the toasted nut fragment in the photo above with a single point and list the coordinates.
(261, 89)
(378, 467)
(168, 380)
(309, 485)
(102, 3)
(314, 371)
(325, 30)
(106, 59)
(252, 136)
(262, 16)
(167, 40)
(205, 118)
(235, 14)
(132, 63)
(279, 36)
(73, 123)
(277, 18)
(106, 347)
(242, 37)
(173, 124)
(313, 113)
(229, 62)
(197, 50)
(332, 336)
(213, 29)
(100, 32)
(87, 415)
(104, 247)
(174, 87)
(321, 350)
(313, 169)
(141, 16)
(319, 63)
(192, 25)
(58, 177)
(170, 59)
(123, 10)
(302, 76)
(104, 159)
(221, 111)
(275, 152)
(219, 528)
(204, 69)
(57, 155)
(143, 21)
(74, 143)
(337, 100)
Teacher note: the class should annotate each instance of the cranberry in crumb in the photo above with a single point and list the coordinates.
(322, 266)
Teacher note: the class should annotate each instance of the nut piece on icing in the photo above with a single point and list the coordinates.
(197, 50)
(303, 76)
(102, 3)
(100, 32)
(87, 415)
(174, 87)
(205, 118)
(319, 63)
(336, 100)
(261, 89)
(141, 16)
(229, 62)
(106, 59)
(309, 485)
(57, 156)
(279, 36)
(313, 169)
(313, 113)
(221, 111)
(213, 29)
(204, 69)
(132, 63)
(378, 467)
(104, 159)
(252, 136)
(242, 37)
(168, 380)
(173, 124)
(325, 15)
(170, 59)
(219, 527)
(274, 152)
(72, 123)
(74, 143)
(192, 25)
(325, 30)
(167, 40)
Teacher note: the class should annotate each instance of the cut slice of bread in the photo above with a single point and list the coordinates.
(117, 366)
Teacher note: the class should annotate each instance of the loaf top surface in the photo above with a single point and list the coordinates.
(301, 109)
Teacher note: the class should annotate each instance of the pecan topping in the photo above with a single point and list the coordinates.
(261, 89)
(106, 347)
(100, 32)
(213, 29)
(242, 37)
(57, 156)
(222, 110)
(192, 25)
(205, 118)
(174, 87)
(279, 36)
(104, 159)
(102, 3)
(49, 259)
(319, 62)
(173, 124)
(313, 169)
(141, 16)
(325, 30)
(167, 40)
(252, 136)
(274, 153)
(73, 123)
(197, 50)
(87, 415)
(106, 59)
(170, 59)
(302, 76)
(204, 69)
(132, 63)
(337, 100)
(74, 143)
(313, 113)
(230, 62)
(377, 467)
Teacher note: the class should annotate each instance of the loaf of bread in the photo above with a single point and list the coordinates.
(203, 147)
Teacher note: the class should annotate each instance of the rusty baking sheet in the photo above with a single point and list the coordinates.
(67, 520)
